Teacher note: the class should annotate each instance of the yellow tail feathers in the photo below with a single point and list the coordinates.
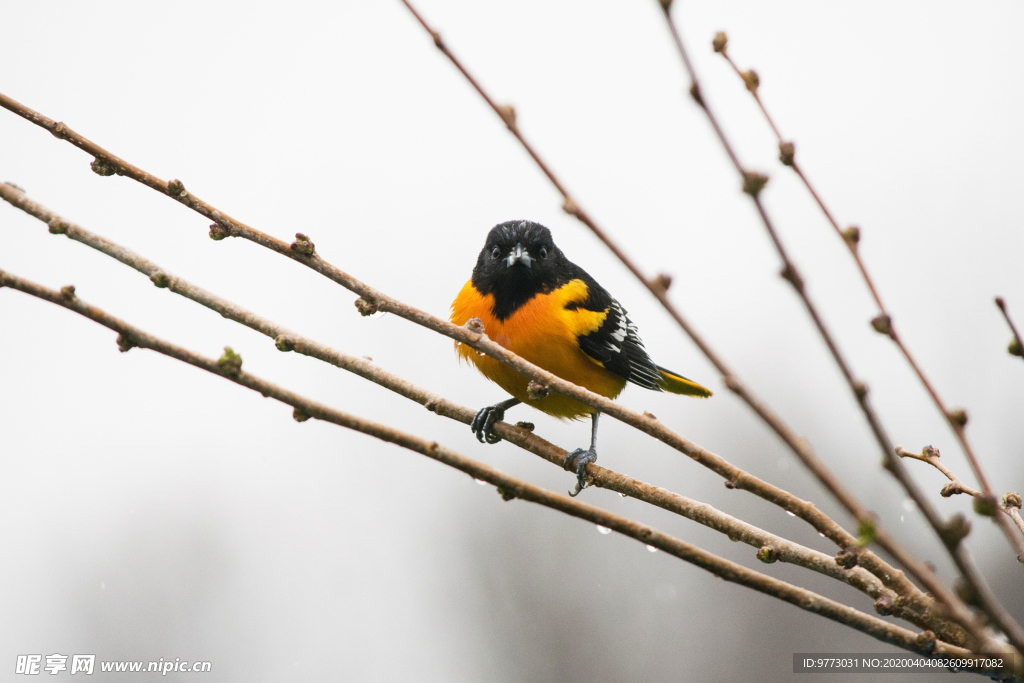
(677, 384)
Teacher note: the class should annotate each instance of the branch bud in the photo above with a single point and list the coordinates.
(861, 390)
(508, 114)
(1001, 303)
(720, 42)
(528, 426)
(1014, 348)
(767, 554)
(882, 324)
(955, 530)
(865, 532)
(729, 484)
(848, 558)
(950, 489)
(662, 281)
(696, 94)
(570, 206)
(102, 167)
(1012, 500)
(536, 390)
(754, 182)
(751, 80)
(176, 189)
(966, 592)
(230, 363)
(302, 245)
(160, 279)
(124, 343)
(789, 274)
(299, 415)
(926, 642)
(787, 150)
(364, 307)
(958, 416)
(218, 232)
(284, 343)
(475, 325)
(58, 226)
(67, 292)
(930, 452)
(852, 236)
(884, 604)
(985, 505)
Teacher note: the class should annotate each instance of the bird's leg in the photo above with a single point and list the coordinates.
(483, 422)
(577, 460)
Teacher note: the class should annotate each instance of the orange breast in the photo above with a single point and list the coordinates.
(543, 332)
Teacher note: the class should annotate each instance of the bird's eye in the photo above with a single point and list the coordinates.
(495, 253)
(543, 253)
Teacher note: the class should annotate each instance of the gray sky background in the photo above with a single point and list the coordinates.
(152, 511)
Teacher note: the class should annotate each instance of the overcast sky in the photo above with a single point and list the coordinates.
(153, 511)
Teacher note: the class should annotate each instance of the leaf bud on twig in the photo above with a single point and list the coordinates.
(955, 530)
(767, 554)
(364, 307)
(536, 390)
(754, 182)
(303, 245)
(882, 324)
(1012, 500)
(985, 505)
(102, 167)
(852, 236)
(720, 42)
(751, 80)
(57, 226)
(230, 362)
(787, 151)
(68, 292)
(958, 416)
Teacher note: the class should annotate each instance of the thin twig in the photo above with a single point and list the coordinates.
(1016, 347)
(930, 455)
(883, 322)
(371, 300)
(752, 184)
(509, 487)
(776, 547)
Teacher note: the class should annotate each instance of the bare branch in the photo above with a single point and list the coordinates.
(883, 323)
(509, 487)
(752, 184)
(782, 549)
(372, 300)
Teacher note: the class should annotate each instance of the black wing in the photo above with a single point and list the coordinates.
(616, 343)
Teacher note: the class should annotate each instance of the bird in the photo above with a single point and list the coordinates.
(535, 302)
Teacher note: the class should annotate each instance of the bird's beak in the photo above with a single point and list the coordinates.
(519, 255)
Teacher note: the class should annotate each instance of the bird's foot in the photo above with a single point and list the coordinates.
(483, 423)
(577, 462)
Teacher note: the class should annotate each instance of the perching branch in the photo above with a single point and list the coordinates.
(229, 367)
(371, 300)
(752, 184)
(883, 323)
(771, 547)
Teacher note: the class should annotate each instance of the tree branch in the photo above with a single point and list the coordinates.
(752, 185)
(883, 322)
(775, 547)
(371, 300)
(509, 487)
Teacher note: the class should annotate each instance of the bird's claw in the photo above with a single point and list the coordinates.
(577, 462)
(483, 423)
